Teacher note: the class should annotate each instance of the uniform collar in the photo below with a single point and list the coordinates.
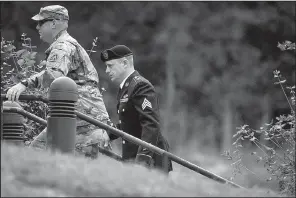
(122, 83)
(59, 36)
(125, 84)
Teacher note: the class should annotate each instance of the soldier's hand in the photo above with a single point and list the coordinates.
(100, 136)
(14, 92)
(145, 160)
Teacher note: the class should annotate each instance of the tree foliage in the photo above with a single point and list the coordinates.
(206, 59)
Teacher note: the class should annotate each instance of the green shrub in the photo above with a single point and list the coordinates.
(275, 141)
(18, 64)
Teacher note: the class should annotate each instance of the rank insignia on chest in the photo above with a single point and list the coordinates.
(124, 98)
(146, 103)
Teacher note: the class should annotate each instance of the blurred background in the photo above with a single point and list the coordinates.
(212, 63)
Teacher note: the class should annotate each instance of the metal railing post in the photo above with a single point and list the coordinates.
(165, 162)
(13, 125)
(61, 120)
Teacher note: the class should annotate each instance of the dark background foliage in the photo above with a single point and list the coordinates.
(212, 63)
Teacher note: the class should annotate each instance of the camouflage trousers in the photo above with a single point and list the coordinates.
(87, 141)
(91, 103)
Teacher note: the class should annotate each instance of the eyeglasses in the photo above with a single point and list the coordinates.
(40, 23)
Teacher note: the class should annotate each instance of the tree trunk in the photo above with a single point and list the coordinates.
(16, 25)
(170, 79)
(227, 124)
(183, 127)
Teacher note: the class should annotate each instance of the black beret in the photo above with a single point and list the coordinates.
(118, 51)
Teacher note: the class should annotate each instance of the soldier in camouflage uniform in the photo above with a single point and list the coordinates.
(66, 57)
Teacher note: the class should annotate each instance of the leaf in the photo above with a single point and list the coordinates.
(30, 63)
(10, 48)
(266, 147)
(237, 133)
(26, 54)
(259, 159)
(280, 82)
(33, 55)
(288, 42)
(20, 62)
(259, 131)
(4, 63)
(253, 139)
(269, 179)
(20, 52)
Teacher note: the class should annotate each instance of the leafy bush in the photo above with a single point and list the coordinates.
(18, 64)
(276, 141)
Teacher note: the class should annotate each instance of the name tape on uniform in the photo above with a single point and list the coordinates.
(146, 103)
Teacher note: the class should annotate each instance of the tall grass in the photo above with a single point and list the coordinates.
(28, 172)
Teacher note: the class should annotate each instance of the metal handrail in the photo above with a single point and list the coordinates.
(44, 122)
(25, 113)
(140, 142)
(28, 97)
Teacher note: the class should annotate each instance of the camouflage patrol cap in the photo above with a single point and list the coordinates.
(52, 12)
(116, 52)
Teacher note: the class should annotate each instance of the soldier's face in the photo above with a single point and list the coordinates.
(44, 28)
(115, 70)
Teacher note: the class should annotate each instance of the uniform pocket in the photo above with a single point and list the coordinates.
(122, 107)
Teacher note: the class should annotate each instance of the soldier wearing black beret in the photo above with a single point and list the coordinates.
(137, 108)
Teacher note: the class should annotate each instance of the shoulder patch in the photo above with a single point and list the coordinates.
(137, 79)
(53, 57)
(146, 103)
(64, 46)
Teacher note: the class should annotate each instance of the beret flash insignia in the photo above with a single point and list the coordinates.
(105, 55)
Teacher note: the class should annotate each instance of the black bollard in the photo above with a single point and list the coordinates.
(13, 125)
(61, 120)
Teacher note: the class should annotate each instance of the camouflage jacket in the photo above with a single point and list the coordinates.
(66, 57)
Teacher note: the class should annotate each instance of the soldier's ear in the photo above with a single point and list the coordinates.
(125, 62)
